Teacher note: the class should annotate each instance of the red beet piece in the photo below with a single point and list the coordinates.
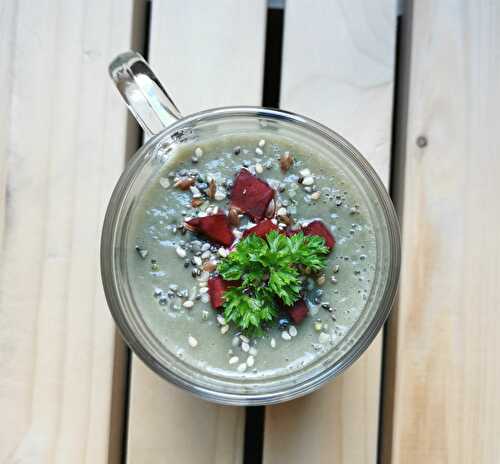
(215, 227)
(298, 311)
(318, 228)
(251, 195)
(216, 288)
(261, 229)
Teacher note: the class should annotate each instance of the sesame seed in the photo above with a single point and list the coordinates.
(203, 290)
(259, 169)
(253, 351)
(224, 329)
(188, 304)
(164, 182)
(315, 195)
(273, 343)
(334, 279)
(192, 341)
(308, 180)
(223, 252)
(262, 142)
(305, 172)
(285, 336)
(245, 347)
(220, 320)
(250, 361)
(205, 298)
(198, 152)
(234, 360)
(292, 330)
(242, 367)
(181, 252)
(259, 151)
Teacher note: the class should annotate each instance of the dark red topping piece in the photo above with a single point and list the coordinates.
(318, 228)
(261, 229)
(298, 311)
(216, 288)
(215, 227)
(251, 195)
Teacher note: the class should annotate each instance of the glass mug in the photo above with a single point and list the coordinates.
(167, 129)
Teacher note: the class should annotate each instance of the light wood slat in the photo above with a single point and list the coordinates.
(447, 381)
(63, 133)
(207, 54)
(338, 68)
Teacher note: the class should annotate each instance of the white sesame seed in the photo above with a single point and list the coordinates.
(195, 192)
(222, 252)
(192, 341)
(205, 247)
(198, 152)
(164, 182)
(259, 151)
(224, 329)
(250, 361)
(219, 195)
(281, 212)
(262, 142)
(244, 339)
(181, 252)
(285, 336)
(245, 347)
(292, 330)
(315, 195)
(234, 360)
(305, 172)
(220, 320)
(334, 279)
(308, 180)
(259, 169)
(203, 290)
(253, 351)
(206, 254)
(197, 260)
(188, 304)
(273, 343)
(242, 367)
(324, 337)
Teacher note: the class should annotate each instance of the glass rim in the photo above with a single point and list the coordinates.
(306, 386)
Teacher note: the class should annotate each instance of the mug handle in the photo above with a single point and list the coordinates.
(143, 93)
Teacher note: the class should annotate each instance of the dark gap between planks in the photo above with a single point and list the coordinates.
(255, 415)
(141, 26)
(398, 143)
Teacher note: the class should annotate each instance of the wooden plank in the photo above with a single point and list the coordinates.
(339, 71)
(207, 54)
(447, 382)
(62, 147)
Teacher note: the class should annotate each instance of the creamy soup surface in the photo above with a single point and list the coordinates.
(167, 263)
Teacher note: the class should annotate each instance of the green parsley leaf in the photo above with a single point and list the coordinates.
(269, 273)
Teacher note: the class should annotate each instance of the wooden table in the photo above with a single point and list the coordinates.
(416, 90)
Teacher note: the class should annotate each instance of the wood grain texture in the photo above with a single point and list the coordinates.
(207, 54)
(339, 70)
(62, 146)
(447, 378)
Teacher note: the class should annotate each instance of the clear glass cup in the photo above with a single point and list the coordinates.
(167, 130)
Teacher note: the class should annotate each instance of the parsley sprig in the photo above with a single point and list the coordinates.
(268, 271)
